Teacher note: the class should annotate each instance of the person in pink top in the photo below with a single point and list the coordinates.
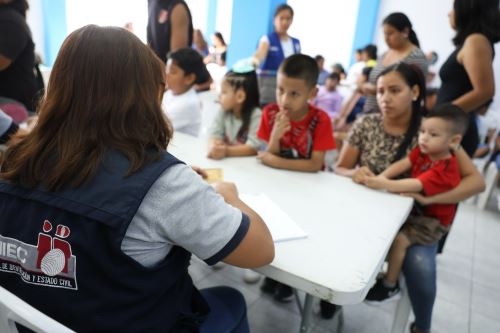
(328, 98)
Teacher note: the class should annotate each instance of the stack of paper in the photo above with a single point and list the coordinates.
(281, 226)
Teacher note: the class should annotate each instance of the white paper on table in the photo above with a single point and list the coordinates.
(281, 226)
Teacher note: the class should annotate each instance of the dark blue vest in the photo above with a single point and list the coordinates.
(61, 253)
(275, 55)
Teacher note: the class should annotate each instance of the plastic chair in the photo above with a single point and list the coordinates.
(14, 310)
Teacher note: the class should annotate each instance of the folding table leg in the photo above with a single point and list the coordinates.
(307, 313)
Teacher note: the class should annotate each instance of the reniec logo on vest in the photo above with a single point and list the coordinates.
(50, 263)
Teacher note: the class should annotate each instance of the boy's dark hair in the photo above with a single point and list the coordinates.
(359, 50)
(452, 114)
(248, 82)
(371, 51)
(301, 66)
(319, 57)
(476, 16)
(191, 62)
(283, 7)
(334, 76)
(401, 22)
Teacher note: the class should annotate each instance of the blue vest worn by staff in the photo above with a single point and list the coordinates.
(61, 253)
(275, 55)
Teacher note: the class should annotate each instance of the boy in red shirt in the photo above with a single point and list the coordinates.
(297, 133)
(434, 170)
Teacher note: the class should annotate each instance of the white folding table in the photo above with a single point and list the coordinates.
(350, 227)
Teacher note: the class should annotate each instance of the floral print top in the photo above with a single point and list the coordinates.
(377, 148)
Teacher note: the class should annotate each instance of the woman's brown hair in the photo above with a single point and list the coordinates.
(104, 93)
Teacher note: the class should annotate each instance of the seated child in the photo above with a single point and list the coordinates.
(233, 132)
(297, 133)
(185, 68)
(434, 170)
(350, 110)
(328, 98)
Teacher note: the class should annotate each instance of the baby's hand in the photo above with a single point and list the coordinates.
(376, 183)
(217, 151)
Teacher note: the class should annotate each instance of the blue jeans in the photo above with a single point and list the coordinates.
(419, 269)
(228, 311)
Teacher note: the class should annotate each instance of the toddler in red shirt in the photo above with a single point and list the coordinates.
(298, 134)
(434, 170)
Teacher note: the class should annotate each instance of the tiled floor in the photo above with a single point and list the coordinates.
(468, 297)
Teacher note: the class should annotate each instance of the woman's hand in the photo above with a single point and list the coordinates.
(361, 174)
(227, 190)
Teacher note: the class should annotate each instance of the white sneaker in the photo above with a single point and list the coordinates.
(250, 276)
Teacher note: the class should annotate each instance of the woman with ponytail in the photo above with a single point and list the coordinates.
(403, 47)
(377, 140)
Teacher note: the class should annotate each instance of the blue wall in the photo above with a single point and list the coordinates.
(55, 28)
(365, 24)
(251, 20)
(211, 17)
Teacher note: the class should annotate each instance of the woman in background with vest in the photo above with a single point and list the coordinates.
(271, 52)
(96, 207)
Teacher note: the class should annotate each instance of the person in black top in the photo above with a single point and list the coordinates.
(467, 76)
(17, 54)
(170, 26)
